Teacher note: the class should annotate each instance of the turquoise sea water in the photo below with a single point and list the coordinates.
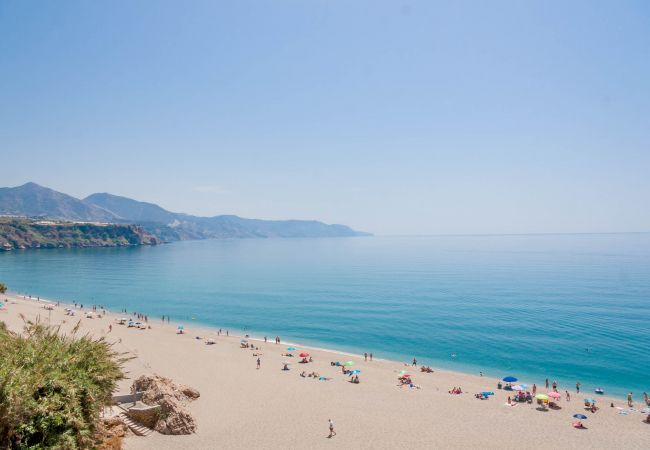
(566, 307)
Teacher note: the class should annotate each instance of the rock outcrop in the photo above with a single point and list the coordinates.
(173, 417)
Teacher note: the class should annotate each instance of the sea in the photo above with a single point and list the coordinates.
(567, 307)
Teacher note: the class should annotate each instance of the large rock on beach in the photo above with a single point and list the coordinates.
(173, 417)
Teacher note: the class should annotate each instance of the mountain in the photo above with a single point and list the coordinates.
(131, 210)
(32, 200)
(37, 201)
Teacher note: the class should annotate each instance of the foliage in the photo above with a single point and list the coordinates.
(53, 387)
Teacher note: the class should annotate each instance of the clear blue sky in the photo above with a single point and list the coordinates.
(392, 117)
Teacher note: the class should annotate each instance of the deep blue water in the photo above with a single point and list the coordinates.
(567, 307)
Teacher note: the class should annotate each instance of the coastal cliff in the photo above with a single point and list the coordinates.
(24, 233)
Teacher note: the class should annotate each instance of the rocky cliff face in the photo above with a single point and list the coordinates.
(24, 233)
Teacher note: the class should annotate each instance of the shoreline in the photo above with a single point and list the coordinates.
(206, 329)
(242, 407)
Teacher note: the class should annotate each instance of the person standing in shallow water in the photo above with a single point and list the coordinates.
(415, 362)
(629, 399)
(546, 383)
(365, 356)
(578, 387)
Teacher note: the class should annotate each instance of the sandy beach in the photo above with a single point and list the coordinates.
(244, 407)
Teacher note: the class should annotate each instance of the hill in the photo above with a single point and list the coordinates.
(25, 233)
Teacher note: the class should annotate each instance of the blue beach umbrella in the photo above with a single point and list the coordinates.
(487, 393)
(354, 372)
(181, 327)
(291, 348)
(509, 379)
(580, 416)
(590, 400)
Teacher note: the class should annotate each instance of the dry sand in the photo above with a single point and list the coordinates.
(243, 408)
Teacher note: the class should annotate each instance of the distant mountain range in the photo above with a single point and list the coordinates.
(33, 200)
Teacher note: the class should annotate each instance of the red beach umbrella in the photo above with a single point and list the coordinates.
(304, 355)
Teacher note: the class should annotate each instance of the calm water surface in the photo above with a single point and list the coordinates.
(570, 307)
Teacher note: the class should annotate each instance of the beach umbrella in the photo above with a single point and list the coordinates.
(554, 394)
(580, 416)
(180, 327)
(402, 372)
(487, 393)
(243, 341)
(354, 372)
(525, 386)
(348, 363)
(517, 388)
(291, 348)
(509, 379)
(589, 400)
(541, 397)
(304, 355)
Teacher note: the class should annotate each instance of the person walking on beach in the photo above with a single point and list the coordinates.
(534, 389)
(258, 363)
(629, 399)
(332, 432)
(568, 396)
(554, 386)
(371, 357)
(365, 356)
(110, 327)
(578, 387)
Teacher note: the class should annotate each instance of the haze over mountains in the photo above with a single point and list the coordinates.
(33, 200)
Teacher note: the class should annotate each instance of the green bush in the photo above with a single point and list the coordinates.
(53, 387)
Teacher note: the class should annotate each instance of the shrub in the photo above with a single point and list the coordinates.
(53, 387)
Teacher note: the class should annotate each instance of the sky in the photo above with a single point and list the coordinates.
(391, 117)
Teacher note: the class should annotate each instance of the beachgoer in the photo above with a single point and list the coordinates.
(110, 327)
(371, 357)
(629, 399)
(258, 363)
(645, 399)
(555, 385)
(332, 432)
(547, 383)
(415, 362)
(578, 387)
(568, 396)
(480, 374)
(534, 389)
(365, 356)
(265, 339)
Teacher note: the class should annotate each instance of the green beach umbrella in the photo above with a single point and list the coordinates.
(541, 397)
(348, 363)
